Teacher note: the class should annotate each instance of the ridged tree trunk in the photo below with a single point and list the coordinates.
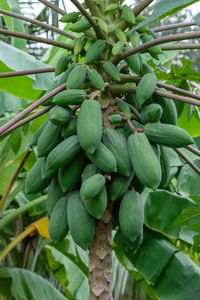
(100, 258)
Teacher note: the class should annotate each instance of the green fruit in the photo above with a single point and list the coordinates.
(94, 51)
(116, 143)
(132, 99)
(88, 44)
(103, 25)
(134, 38)
(76, 78)
(71, 17)
(48, 139)
(111, 6)
(115, 119)
(51, 88)
(61, 65)
(131, 215)
(144, 160)
(156, 149)
(69, 175)
(128, 130)
(58, 226)
(128, 14)
(89, 125)
(133, 61)
(103, 159)
(168, 135)
(146, 87)
(92, 186)
(46, 174)
(154, 49)
(37, 134)
(169, 115)
(118, 48)
(119, 185)
(165, 166)
(63, 153)
(96, 79)
(79, 46)
(124, 107)
(151, 113)
(54, 193)
(137, 185)
(146, 69)
(59, 115)
(80, 25)
(70, 128)
(120, 35)
(69, 97)
(34, 182)
(111, 70)
(96, 206)
(88, 172)
(66, 74)
(81, 224)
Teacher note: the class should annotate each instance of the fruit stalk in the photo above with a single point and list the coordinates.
(26, 72)
(54, 7)
(100, 258)
(188, 161)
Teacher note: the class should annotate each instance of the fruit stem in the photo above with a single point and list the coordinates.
(180, 47)
(93, 9)
(194, 150)
(26, 72)
(140, 7)
(188, 161)
(173, 26)
(54, 7)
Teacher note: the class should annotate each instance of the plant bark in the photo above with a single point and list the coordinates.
(100, 258)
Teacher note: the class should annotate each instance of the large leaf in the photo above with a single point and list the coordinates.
(165, 8)
(25, 285)
(13, 23)
(10, 103)
(191, 126)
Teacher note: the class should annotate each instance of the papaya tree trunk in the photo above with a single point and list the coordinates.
(100, 258)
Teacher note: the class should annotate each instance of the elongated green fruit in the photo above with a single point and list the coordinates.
(66, 74)
(128, 130)
(71, 17)
(61, 65)
(144, 160)
(103, 25)
(111, 6)
(111, 70)
(151, 113)
(70, 128)
(169, 115)
(89, 171)
(48, 139)
(116, 143)
(154, 49)
(146, 87)
(88, 43)
(34, 182)
(120, 35)
(165, 166)
(167, 135)
(96, 206)
(128, 14)
(115, 119)
(118, 48)
(69, 175)
(46, 174)
(58, 226)
(131, 215)
(79, 46)
(134, 38)
(92, 186)
(132, 99)
(103, 159)
(124, 107)
(89, 125)
(94, 51)
(63, 153)
(59, 115)
(69, 97)
(133, 61)
(96, 79)
(80, 25)
(76, 78)
(119, 185)
(81, 224)
(37, 134)
(51, 88)
(54, 193)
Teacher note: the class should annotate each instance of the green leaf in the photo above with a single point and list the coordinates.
(197, 19)
(165, 8)
(26, 285)
(188, 214)
(191, 126)
(10, 103)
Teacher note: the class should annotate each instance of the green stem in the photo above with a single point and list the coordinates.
(54, 7)
(173, 26)
(8, 218)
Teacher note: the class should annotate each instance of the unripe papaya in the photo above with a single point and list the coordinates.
(70, 17)
(89, 171)
(59, 115)
(81, 224)
(51, 88)
(94, 51)
(58, 226)
(48, 139)
(133, 61)
(131, 215)
(89, 125)
(103, 25)
(111, 70)
(34, 182)
(96, 79)
(37, 134)
(79, 46)
(134, 38)
(63, 153)
(70, 128)
(168, 135)
(170, 114)
(88, 43)
(66, 74)
(69, 97)
(54, 193)
(115, 119)
(144, 160)
(111, 6)
(132, 99)
(146, 87)
(80, 25)
(128, 14)
(69, 175)
(96, 206)
(124, 108)
(154, 49)
(119, 185)
(128, 130)
(91, 187)
(151, 113)
(103, 159)
(61, 65)
(118, 48)
(76, 78)
(46, 174)
(120, 35)
(165, 166)
(116, 143)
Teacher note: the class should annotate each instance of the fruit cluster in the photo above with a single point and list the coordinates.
(96, 146)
